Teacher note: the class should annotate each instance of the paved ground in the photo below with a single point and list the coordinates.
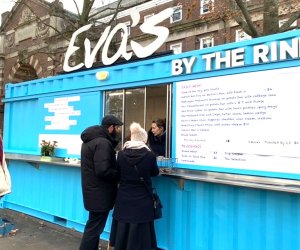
(35, 234)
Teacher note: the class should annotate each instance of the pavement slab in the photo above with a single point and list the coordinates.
(31, 233)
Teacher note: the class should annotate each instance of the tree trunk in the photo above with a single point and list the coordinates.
(270, 17)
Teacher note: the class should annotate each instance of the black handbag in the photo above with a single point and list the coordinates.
(157, 205)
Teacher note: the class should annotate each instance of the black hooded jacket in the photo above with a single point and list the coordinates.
(99, 174)
(134, 203)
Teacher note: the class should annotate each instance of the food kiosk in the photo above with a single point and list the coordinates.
(230, 179)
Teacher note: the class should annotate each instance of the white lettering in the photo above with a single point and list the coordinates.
(208, 58)
(220, 59)
(189, 64)
(149, 27)
(260, 52)
(122, 49)
(177, 67)
(237, 58)
(89, 58)
(274, 52)
(71, 49)
(285, 49)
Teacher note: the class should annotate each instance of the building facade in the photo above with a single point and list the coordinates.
(32, 45)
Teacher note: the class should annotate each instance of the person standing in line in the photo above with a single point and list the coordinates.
(99, 177)
(133, 216)
(157, 137)
(5, 181)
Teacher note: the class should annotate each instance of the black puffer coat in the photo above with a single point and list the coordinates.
(99, 174)
(134, 203)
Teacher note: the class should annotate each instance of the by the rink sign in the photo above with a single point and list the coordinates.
(148, 27)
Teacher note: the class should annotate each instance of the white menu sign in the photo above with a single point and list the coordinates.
(247, 121)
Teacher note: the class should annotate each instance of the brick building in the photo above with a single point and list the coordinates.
(31, 46)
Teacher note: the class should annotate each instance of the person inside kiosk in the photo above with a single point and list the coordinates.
(157, 137)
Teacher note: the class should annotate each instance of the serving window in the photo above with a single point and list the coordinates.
(142, 105)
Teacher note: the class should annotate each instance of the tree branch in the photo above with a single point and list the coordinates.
(248, 22)
(287, 25)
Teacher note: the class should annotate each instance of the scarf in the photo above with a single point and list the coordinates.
(135, 145)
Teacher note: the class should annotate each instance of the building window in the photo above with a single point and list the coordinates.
(128, 28)
(148, 16)
(206, 42)
(177, 48)
(293, 25)
(241, 35)
(177, 14)
(206, 6)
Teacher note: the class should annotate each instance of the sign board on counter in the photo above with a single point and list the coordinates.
(246, 122)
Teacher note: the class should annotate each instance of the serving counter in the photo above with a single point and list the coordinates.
(197, 204)
(276, 184)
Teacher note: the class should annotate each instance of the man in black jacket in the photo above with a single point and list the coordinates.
(99, 177)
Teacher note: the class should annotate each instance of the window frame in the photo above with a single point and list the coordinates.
(202, 39)
(237, 36)
(128, 28)
(121, 108)
(146, 17)
(177, 10)
(203, 4)
(174, 45)
(293, 26)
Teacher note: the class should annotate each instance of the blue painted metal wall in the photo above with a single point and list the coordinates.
(197, 215)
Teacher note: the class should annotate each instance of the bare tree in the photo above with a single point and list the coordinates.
(271, 12)
(256, 17)
(73, 21)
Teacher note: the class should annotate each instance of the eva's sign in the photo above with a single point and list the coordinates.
(262, 53)
(148, 27)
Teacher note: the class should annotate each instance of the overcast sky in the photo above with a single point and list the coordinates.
(6, 5)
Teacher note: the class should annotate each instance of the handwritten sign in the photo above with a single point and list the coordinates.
(244, 121)
(62, 111)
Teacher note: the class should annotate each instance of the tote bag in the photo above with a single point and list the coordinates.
(5, 181)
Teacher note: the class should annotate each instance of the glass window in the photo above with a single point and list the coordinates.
(177, 48)
(142, 105)
(134, 108)
(206, 42)
(128, 28)
(241, 35)
(206, 6)
(283, 21)
(177, 14)
(148, 16)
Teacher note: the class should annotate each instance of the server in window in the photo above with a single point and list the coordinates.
(157, 137)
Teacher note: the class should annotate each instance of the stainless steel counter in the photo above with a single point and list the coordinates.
(276, 184)
(36, 160)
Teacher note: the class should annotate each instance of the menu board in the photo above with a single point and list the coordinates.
(245, 121)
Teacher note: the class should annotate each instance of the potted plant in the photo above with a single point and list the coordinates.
(47, 149)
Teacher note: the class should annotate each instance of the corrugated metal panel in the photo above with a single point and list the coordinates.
(49, 192)
(196, 215)
(212, 217)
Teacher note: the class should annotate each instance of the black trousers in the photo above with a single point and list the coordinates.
(93, 228)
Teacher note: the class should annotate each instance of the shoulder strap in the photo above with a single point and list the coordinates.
(142, 180)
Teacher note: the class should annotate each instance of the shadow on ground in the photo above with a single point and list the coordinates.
(30, 233)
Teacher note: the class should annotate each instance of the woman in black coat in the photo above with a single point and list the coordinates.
(133, 216)
(157, 137)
